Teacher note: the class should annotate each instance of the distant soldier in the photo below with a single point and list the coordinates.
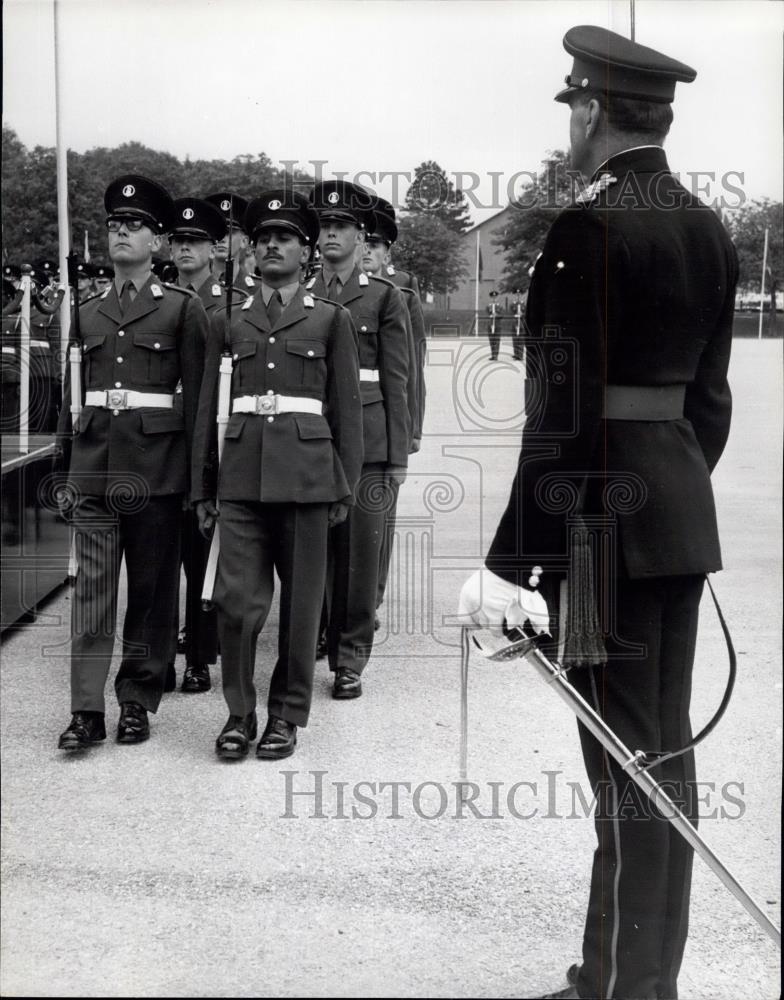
(291, 460)
(198, 226)
(103, 275)
(518, 328)
(494, 329)
(380, 317)
(127, 470)
(233, 208)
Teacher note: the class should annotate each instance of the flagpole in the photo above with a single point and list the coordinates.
(64, 229)
(476, 289)
(762, 283)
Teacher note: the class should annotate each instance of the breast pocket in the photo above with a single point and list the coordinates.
(155, 360)
(243, 355)
(367, 329)
(95, 375)
(306, 363)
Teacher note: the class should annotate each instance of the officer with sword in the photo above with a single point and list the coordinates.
(638, 280)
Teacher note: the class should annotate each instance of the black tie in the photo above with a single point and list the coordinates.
(274, 307)
(332, 291)
(125, 297)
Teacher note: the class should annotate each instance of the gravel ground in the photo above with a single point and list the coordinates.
(157, 870)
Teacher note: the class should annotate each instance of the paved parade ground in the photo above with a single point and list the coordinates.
(156, 870)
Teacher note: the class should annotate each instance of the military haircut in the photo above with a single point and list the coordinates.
(651, 120)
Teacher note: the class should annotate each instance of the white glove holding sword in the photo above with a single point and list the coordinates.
(489, 603)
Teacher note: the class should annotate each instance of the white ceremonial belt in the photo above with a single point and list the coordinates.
(127, 399)
(368, 374)
(41, 344)
(273, 403)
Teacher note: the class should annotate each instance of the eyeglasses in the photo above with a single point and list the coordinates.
(132, 225)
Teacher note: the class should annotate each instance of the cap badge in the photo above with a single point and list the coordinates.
(274, 205)
(225, 204)
(333, 198)
(187, 213)
(129, 191)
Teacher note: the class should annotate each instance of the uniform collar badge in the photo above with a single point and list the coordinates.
(308, 302)
(363, 279)
(248, 281)
(156, 291)
(390, 269)
(247, 303)
(311, 283)
(592, 192)
(216, 290)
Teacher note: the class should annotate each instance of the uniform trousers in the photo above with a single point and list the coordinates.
(352, 589)
(256, 540)
(201, 627)
(146, 531)
(638, 909)
(387, 543)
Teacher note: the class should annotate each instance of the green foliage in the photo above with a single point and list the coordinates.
(747, 227)
(29, 190)
(429, 249)
(432, 194)
(535, 209)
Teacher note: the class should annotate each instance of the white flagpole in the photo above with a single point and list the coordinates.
(476, 289)
(62, 201)
(762, 284)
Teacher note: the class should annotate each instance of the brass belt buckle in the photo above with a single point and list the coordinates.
(267, 404)
(117, 399)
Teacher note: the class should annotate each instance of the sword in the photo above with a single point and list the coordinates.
(524, 647)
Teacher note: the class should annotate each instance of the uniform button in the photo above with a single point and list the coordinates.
(272, 340)
(236, 357)
(157, 346)
(271, 364)
(363, 329)
(270, 419)
(115, 413)
(121, 333)
(118, 385)
(270, 392)
(119, 361)
(310, 354)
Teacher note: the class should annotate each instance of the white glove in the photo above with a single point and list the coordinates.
(490, 602)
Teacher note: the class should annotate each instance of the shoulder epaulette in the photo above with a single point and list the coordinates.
(382, 281)
(95, 295)
(311, 282)
(174, 288)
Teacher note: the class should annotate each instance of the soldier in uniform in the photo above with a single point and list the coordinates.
(494, 327)
(518, 326)
(103, 276)
(288, 471)
(233, 208)
(375, 261)
(127, 470)
(380, 317)
(9, 361)
(198, 226)
(640, 277)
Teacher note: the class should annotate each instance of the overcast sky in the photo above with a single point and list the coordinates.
(381, 86)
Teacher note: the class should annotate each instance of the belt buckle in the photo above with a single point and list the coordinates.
(117, 399)
(267, 404)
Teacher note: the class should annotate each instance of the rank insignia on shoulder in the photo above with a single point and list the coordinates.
(592, 192)
(157, 292)
(363, 280)
(247, 303)
(311, 283)
(308, 302)
(216, 291)
(391, 269)
(249, 281)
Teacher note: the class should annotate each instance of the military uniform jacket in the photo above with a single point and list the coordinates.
(633, 288)
(156, 344)
(213, 295)
(402, 279)
(416, 374)
(379, 314)
(293, 457)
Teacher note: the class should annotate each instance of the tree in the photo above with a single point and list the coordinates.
(432, 193)
(429, 249)
(535, 209)
(747, 227)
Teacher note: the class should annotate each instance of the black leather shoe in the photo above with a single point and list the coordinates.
(196, 678)
(171, 678)
(181, 643)
(572, 973)
(321, 646)
(134, 726)
(236, 736)
(347, 684)
(85, 728)
(278, 739)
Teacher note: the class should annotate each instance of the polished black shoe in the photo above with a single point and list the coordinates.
(236, 736)
(171, 678)
(182, 640)
(196, 678)
(134, 726)
(321, 646)
(278, 739)
(347, 684)
(86, 728)
(572, 973)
